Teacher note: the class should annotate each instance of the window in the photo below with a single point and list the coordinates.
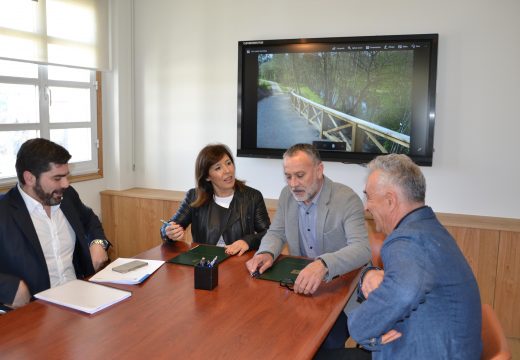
(64, 32)
(53, 102)
(50, 51)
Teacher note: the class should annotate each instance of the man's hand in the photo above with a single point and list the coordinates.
(239, 247)
(310, 278)
(371, 281)
(174, 231)
(99, 256)
(390, 336)
(22, 297)
(260, 262)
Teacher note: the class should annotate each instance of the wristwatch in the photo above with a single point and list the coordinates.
(105, 244)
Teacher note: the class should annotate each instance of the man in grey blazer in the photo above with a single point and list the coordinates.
(316, 218)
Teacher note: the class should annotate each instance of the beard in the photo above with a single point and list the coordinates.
(302, 194)
(48, 199)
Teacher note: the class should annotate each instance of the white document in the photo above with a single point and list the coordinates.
(84, 296)
(133, 277)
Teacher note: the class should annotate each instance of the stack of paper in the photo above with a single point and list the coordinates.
(84, 296)
(132, 277)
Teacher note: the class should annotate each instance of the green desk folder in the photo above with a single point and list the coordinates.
(192, 257)
(286, 268)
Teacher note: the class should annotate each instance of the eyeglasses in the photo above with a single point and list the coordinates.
(287, 283)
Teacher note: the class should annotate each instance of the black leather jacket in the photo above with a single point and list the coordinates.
(248, 219)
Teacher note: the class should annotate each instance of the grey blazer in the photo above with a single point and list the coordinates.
(340, 230)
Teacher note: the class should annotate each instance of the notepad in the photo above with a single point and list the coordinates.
(133, 277)
(193, 256)
(285, 268)
(83, 296)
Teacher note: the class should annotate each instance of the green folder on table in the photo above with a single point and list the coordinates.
(286, 268)
(192, 257)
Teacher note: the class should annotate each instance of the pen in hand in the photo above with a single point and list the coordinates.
(173, 230)
(256, 273)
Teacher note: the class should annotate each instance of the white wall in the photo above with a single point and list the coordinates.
(118, 111)
(185, 61)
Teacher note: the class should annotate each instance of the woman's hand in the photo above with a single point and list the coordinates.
(237, 248)
(174, 231)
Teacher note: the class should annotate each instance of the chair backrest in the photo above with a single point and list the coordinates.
(494, 342)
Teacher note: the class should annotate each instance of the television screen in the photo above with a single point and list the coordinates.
(352, 97)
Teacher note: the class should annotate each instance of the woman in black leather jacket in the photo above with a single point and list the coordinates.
(221, 209)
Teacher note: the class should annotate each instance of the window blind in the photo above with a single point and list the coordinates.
(60, 32)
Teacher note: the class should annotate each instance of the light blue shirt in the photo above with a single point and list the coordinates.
(307, 220)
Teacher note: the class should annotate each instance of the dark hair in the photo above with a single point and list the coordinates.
(37, 155)
(209, 156)
(309, 149)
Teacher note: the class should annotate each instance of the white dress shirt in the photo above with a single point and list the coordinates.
(57, 239)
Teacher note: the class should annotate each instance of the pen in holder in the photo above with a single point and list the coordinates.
(206, 274)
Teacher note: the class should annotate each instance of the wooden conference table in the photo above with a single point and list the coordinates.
(166, 318)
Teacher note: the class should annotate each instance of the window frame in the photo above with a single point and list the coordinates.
(93, 175)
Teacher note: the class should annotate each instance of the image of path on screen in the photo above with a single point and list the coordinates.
(346, 101)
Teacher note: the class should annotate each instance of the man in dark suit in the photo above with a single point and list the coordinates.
(47, 235)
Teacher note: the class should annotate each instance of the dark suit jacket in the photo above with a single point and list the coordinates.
(21, 255)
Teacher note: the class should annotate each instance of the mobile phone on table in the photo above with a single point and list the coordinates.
(129, 266)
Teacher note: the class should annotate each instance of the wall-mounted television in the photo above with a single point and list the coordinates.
(352, 97)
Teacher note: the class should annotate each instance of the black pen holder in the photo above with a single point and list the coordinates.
(206, 277)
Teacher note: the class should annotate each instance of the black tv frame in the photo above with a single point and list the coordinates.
(423, 110)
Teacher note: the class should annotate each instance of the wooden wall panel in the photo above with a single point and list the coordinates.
(107, 220)
(507, 293)
(271, 213)
(169, 209)
(136, 225)
(480, 247)
(148, 235)
(125, 224)
(271, 206)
